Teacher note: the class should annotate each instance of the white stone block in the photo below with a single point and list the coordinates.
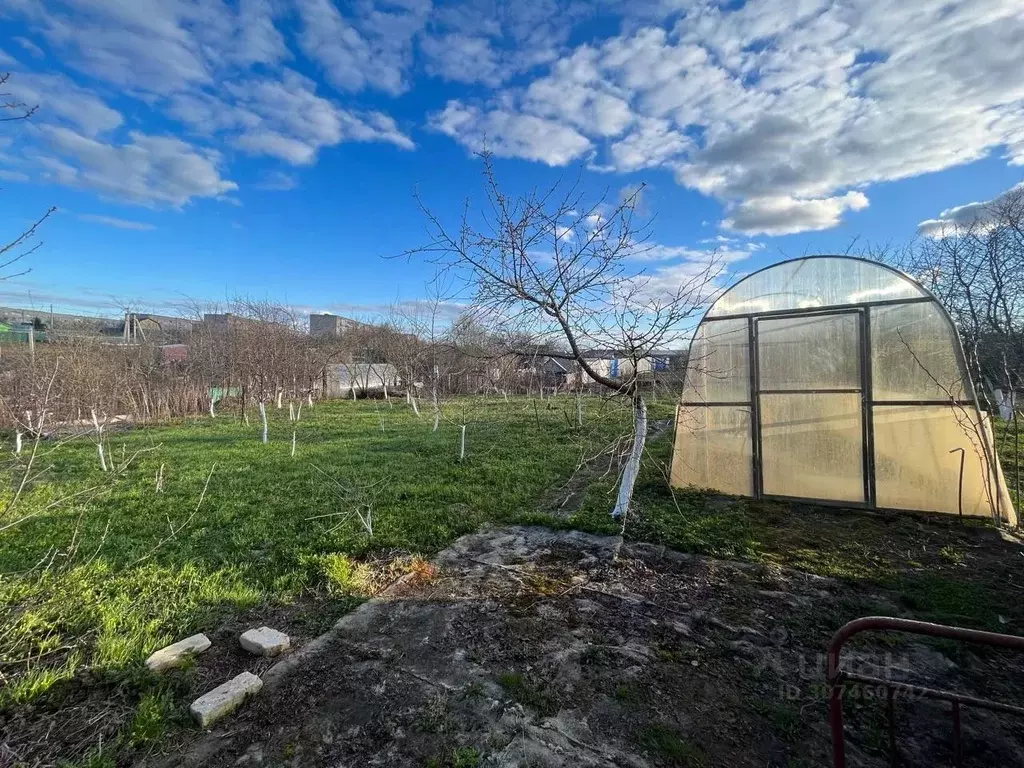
(264, 641)
(177, 654)
(224, 699)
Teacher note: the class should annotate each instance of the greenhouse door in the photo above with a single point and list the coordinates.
(809, 380)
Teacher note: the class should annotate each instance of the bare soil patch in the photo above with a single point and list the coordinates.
(531, 647)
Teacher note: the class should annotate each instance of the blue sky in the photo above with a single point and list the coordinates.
(207, 149)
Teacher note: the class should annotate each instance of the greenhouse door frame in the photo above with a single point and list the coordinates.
(861, 313)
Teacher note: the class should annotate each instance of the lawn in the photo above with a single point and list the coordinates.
(242, 531)
(92, 585)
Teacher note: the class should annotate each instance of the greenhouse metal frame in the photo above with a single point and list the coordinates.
(836, 380)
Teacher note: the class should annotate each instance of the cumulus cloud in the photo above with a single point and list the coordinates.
(369, 50)
(463, 58)
(212, 65)
(147, 169)
(968, 215)
(286, 119)
(111, 221)
(510, 134)
(779, 110)
(784, 215)
(60, 99)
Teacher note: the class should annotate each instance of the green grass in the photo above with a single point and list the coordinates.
(90, 586)
(529, 693)
(937, 567)
(100, 581)
(668, 747)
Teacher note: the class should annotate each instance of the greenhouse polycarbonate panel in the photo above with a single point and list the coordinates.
(713, 449)
(815, 282)
(718, 369)
(812, 446)
(914, 354)
(917, 459)
(816, 352)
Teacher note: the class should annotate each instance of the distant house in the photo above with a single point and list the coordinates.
(618, 365)
(549, 370)
(326, 324)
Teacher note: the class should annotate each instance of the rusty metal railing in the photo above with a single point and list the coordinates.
(836, 679)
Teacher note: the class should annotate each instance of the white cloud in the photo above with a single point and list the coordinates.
(31, 47)
(283, 118)
(782, 215)
(111, 221)
(654, 143)
(778, 110)
(148, 170)
(12, 175)
(703, 271)
(509, 134)
(59, 98)
(722, 253)
(773, 109)
(967, 215)
(463, 59)
(276, 181)
(365, 50)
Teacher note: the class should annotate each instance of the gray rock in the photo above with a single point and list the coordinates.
(177, 654)
(264, 641)
(224, 699)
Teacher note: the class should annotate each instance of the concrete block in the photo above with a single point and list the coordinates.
(177, 654)
(224, 699)
(264, 641)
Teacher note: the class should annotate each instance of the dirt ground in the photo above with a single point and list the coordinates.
(532, 647)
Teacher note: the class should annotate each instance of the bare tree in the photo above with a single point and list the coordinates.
(551, 266)
(22, 245)
(975, 267)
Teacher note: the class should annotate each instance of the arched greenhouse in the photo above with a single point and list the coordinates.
(836, 380)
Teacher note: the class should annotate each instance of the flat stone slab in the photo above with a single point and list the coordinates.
(264, 641)
(178, 653)
(224, 699)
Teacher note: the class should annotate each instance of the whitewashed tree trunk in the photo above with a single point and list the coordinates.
(298, 411)
(291, 411)
(352, 389)
(103, 460)
(17, 443)
(212, 414)
(293, 443)
(309, 399)
(263, 417)
(579, 409)
(280, 394)
(462, 444)
(415, 405)
(632, 469)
